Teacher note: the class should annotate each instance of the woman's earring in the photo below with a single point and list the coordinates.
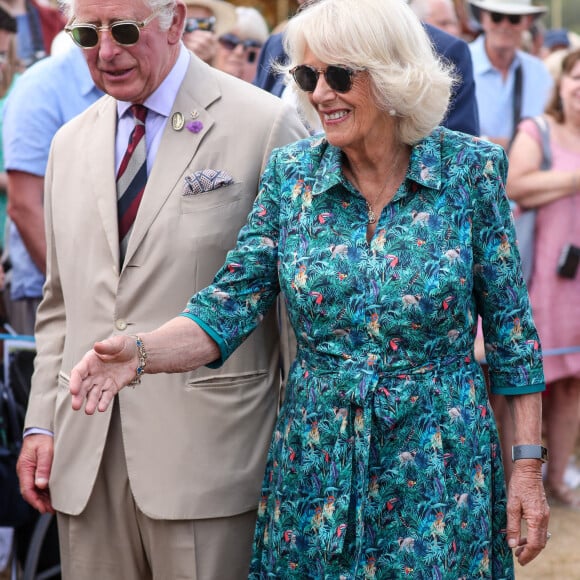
(392, 112)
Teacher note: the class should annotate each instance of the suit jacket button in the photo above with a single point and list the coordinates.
(121, 324)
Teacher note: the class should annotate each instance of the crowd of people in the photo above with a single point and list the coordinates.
(297, 245)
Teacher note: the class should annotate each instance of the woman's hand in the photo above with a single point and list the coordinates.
(178, 346)
(527, 501)
(103, 372)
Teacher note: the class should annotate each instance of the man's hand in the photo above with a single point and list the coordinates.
(33, 470)
(102, 373)
(527, 501)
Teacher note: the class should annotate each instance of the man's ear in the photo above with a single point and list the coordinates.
(175, 31)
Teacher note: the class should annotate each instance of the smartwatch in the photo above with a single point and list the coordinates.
(529, 452)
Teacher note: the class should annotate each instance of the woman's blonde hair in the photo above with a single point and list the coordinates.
(385, 38)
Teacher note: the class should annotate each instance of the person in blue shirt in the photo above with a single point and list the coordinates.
(498, 62)
(45, 97)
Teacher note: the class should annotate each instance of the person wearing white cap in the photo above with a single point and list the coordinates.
(206, 21)
(509, 83)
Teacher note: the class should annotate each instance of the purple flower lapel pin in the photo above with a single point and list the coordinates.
(194, 126)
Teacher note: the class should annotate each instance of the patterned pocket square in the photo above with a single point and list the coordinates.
(206, 180)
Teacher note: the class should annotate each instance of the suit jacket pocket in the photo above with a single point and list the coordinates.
(225, 381)
(212, 199)
(63, 380)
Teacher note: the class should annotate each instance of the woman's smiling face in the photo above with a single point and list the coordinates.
(348, 119)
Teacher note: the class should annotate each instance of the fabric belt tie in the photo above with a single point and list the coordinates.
(360, 399)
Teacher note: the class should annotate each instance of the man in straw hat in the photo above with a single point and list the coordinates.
(509, 83)
(206, 21)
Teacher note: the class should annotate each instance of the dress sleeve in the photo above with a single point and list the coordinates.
(246, 286)
(512, 345)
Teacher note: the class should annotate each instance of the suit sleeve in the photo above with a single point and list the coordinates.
(49, 332)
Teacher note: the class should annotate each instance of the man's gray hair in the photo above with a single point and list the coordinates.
(165, 8)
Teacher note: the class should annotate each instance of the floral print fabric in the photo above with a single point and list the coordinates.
(385, 460)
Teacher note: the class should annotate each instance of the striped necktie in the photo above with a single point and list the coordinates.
(131, 178)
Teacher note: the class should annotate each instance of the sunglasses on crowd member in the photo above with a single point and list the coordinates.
(205, 24)
(124, 32)
(497, 17)
(251, 47)
(338, 78)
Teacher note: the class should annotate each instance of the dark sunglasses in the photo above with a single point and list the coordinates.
(231, 42)
(124, 32)
(338, 78)
(497, 17)
(206, 24)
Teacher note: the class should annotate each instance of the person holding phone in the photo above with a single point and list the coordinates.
(206, 21)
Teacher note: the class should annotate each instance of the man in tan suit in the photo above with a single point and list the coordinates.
(170, 486)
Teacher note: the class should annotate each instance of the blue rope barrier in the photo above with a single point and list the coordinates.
(22, 337)
(563, 350)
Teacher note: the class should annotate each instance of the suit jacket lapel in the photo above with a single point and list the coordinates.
(176, 148)
(101, 154)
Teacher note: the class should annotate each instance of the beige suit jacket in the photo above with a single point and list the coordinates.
(195, 443)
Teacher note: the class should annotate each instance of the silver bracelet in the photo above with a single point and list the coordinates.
(142, 355)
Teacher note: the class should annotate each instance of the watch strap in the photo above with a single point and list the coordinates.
(529, 452)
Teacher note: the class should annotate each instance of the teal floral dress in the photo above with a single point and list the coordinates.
(385, 460)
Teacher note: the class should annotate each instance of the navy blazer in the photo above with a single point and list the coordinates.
(462, 114)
